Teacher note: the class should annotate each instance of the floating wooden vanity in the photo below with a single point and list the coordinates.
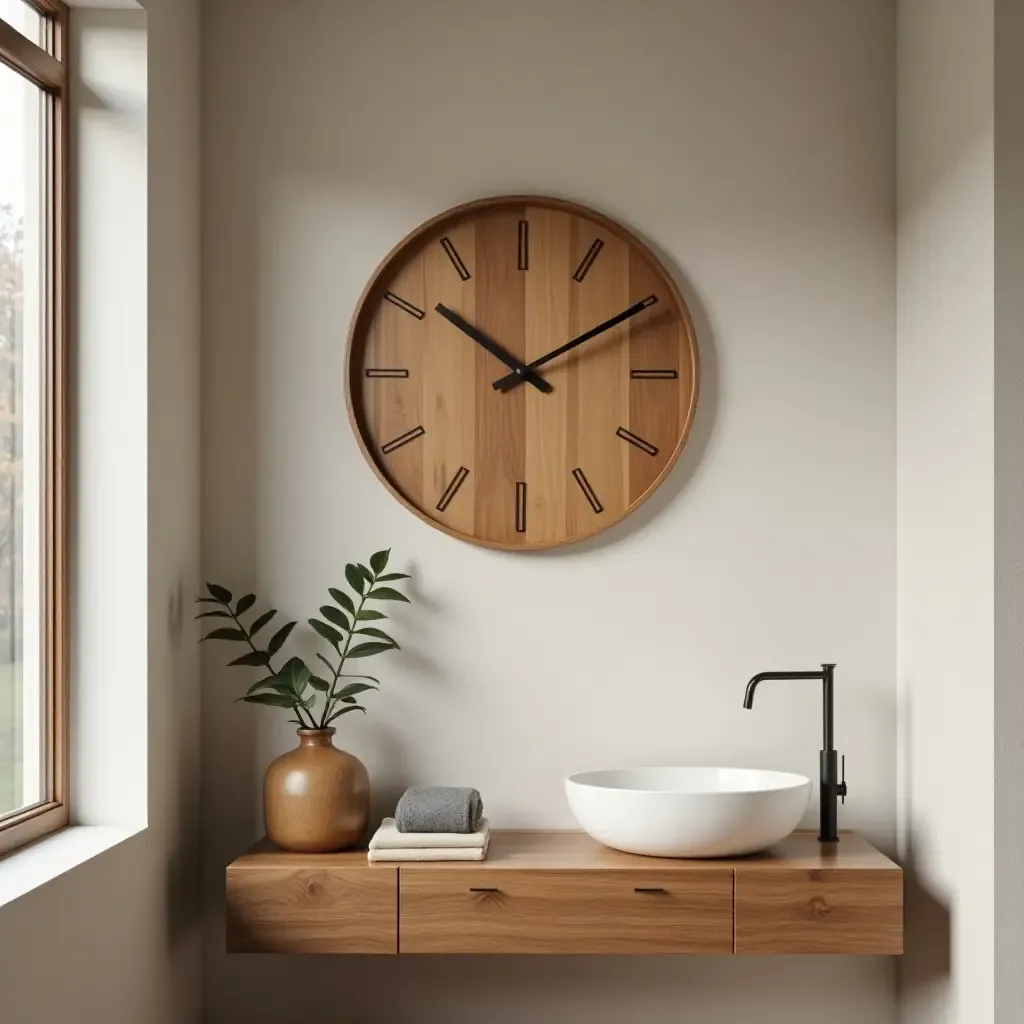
(562, 892)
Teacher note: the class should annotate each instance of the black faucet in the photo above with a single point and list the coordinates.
(830, 788)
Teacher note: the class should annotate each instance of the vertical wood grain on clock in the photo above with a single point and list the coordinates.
(523, 468)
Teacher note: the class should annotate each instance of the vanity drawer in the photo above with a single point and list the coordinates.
(832, 910)
(480, 910)
(321, 908)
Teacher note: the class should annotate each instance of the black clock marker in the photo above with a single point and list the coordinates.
(408, 307)
(388, 374)
(588, 491)
(453, 488)
(654, 374)
(524, 245)
(453, 255)
(520, 507)
(636, 442)
(409, 435)
(587, 262)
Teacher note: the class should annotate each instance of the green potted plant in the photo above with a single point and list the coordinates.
(316, 798)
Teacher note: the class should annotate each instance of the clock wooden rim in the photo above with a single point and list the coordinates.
(373, 293)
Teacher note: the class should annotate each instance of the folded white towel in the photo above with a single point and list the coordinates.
(387, 837)
(426, 854)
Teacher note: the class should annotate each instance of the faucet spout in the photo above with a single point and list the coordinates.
(748, 697)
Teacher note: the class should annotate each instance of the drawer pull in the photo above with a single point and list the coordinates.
(654, 890)
(491, 888)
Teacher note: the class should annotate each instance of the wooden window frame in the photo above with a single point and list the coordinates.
(48, 68)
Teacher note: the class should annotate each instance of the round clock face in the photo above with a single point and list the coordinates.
(522, 372)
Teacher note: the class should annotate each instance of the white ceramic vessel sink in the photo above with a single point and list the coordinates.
(688, 812)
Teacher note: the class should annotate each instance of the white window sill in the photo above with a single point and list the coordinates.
(27, 869)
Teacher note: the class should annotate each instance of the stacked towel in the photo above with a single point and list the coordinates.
(439, 809)
(389, 844)
(434, 823)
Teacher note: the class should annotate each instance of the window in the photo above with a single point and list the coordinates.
(33, 701)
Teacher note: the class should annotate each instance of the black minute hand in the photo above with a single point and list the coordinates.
(513, 379)
(521, 371)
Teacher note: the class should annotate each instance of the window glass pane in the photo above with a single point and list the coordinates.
(26, 19)
(22, 335)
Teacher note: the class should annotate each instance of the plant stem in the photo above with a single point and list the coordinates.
(270, 668)
(331, 701)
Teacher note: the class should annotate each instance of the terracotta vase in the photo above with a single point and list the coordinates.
(316, 798)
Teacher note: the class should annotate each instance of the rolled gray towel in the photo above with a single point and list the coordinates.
(439, 809)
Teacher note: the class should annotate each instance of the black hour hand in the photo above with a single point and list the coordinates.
(520, 371)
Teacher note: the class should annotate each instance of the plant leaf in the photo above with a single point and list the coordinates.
(225, 633)
(326, 662)
(388, 594)
(329, 633)
(356, 675)
(332, 614)
(278, 639)
(368, 649)
(294, 668)
(319, 683)
(274, 700)
(343, 599)
(367, 575)
(388, 577)
(259, 623)
(217, 615)
(378, 560)
(221, 594)
(352, 689)
(355, 578)
(378, 633)
(251, 658)
(345, 710)
(368, 615)
(268, 681)
(207, 600)
(294, 677)
(282, 686)
(244, 604)
(348, 700)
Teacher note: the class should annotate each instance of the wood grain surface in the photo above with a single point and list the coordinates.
(553, 891)
(532, 273)
(565, 911)
(833, 910)
(289, 905)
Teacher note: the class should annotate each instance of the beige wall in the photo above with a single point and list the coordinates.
(116, 941)
(174, 500)
(752, 144)
(961, 507)
(1009, 511)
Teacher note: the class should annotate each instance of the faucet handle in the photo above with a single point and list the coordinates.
(841, 789)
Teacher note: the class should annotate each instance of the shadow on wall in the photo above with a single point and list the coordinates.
(552, 990)
(924, 968)
(927, 925)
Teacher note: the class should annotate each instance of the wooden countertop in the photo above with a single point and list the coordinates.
(577, 851)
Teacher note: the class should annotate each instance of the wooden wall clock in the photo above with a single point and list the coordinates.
(521, 372)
